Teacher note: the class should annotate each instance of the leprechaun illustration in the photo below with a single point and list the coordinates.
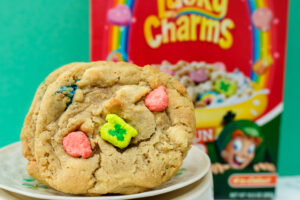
(237, 144)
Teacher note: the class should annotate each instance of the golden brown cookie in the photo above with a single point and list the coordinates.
(79, 101)
(28, 130)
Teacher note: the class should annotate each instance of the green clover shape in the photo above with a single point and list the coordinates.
(118, 132)
(225, 86)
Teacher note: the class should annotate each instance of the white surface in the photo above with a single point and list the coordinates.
(288, 188)
(13, 172)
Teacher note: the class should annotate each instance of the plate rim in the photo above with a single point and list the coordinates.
(131, 196)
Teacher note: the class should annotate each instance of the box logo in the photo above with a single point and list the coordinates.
(189, 21)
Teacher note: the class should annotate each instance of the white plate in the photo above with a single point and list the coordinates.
(201, 189)
(14, 177)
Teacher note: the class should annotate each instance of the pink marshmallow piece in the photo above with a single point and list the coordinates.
(168, 71)
(262, 18)
(221, 65)
(77, 144)
(120, 15)
(157, 100)
(199, 76)
(115, 59)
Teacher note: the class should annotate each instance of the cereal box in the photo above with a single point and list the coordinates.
(230, 55)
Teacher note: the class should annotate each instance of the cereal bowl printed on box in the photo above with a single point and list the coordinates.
(216, 91)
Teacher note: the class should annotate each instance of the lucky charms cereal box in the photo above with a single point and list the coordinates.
(230, 55)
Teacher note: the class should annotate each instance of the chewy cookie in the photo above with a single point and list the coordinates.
(28, 130)
(104, 127)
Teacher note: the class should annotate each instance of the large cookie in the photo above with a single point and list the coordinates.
(80, 99)
(28, 130)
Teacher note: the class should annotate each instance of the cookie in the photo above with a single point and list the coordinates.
(124, 146)
(28, 130)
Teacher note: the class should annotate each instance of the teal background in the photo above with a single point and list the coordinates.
(37, 36)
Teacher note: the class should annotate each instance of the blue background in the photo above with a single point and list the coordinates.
(37, 36)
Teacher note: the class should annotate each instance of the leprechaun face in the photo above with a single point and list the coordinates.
(239, 152)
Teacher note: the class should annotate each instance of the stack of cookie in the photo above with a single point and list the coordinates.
(104, 127)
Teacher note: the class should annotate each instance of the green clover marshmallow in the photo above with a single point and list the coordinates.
(117, 132)
(225, 86)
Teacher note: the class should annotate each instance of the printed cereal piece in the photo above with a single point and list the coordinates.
(117, 132)
(262, 65)
(117, 56)
(115, 59)
(157, 100)
(77, 144)
(225, 86)
(120, 15)
(186, 81)
(208, 97)
(199, 76)
(262, 18)
(221, 66)
(168, 71)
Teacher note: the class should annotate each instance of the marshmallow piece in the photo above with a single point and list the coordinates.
(157, 100)
(120, 15)
(262, 18)
(77, 144)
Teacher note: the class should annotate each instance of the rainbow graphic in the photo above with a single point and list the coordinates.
(262, 51)
(119, 37)
(198, 11)
(209, 96)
